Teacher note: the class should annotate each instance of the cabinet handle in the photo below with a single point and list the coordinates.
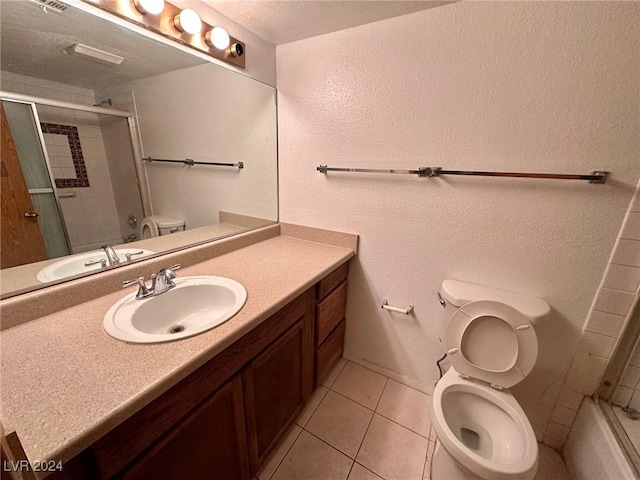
(31, 215)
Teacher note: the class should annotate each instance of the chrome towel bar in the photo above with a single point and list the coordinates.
(191, 162)
(597, 176)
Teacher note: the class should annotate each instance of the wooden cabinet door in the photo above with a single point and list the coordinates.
(276, 386)
(21, 237)
(209, 444)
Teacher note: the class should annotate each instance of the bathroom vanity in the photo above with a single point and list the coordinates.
(210, 406)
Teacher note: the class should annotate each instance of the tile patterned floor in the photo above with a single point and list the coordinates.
(360, 425)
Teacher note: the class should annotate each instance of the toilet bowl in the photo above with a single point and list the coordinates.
(482, 432)
(157, 225)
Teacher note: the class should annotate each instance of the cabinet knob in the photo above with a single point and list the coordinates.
(31, 215)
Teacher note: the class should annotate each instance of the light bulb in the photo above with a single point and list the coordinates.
(188, 21)
(218, 38)
(152, 7)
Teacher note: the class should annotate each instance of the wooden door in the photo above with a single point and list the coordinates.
(276, 385)
(20, 239)
(209, 444)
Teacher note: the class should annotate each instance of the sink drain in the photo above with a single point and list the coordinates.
(176, 329)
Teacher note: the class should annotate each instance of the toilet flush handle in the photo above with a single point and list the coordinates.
(442, 301)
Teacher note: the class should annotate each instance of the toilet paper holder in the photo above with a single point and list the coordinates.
(386, 306)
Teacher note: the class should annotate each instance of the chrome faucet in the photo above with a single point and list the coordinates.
(160, 283)
(163, 280)
(112, 256)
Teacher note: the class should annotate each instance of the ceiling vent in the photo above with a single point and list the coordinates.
(51, 5)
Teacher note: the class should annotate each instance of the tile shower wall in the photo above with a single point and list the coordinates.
(91, 216)
(611, 309)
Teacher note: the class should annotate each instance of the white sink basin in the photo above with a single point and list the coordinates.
(194, 305)
(75, 264)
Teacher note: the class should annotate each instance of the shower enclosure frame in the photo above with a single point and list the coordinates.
(611, 379)
(134, 136)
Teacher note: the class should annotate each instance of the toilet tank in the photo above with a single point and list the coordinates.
(457, 293)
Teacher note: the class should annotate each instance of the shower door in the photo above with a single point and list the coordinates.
(18, 216)
(42, 219)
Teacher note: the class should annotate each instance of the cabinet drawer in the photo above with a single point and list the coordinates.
(332, 280)
(329, 353)
(331, 311)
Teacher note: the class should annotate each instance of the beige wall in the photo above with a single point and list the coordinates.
(536, 86)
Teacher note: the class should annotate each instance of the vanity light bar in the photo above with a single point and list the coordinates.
(178, 25)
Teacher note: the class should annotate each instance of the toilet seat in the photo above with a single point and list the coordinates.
(150, 226)
(491, 341)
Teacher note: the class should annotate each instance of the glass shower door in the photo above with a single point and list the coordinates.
(27, 138)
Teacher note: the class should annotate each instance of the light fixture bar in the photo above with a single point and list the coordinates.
(93, 54)
(164, 24)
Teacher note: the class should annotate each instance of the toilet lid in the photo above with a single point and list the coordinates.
(491, 341)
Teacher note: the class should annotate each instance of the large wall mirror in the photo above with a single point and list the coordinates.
(89, 147)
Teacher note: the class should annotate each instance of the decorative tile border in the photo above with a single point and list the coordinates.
(71, 132)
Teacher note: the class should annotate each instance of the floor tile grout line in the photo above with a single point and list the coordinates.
(286, 453)
(403, 426)
(315, 409)
(368, 470)
(391, 419)
(338, 374)
(405, 385)
(351, 400)
(381, 394)
(376, 412)
(327, 443)
(365, 436)
(369, 426)
(426, 458)
(387, 376)
(386, 379)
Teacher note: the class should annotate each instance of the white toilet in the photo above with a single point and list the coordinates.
(157, 225)
(482, 431)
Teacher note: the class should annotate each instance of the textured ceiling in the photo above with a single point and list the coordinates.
(32, 43)
(287, 21)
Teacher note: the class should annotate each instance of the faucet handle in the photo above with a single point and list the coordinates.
(102, 262)
(129, 255)
(169, 274)
(143, 290)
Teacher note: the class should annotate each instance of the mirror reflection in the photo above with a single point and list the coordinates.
(84, 183)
